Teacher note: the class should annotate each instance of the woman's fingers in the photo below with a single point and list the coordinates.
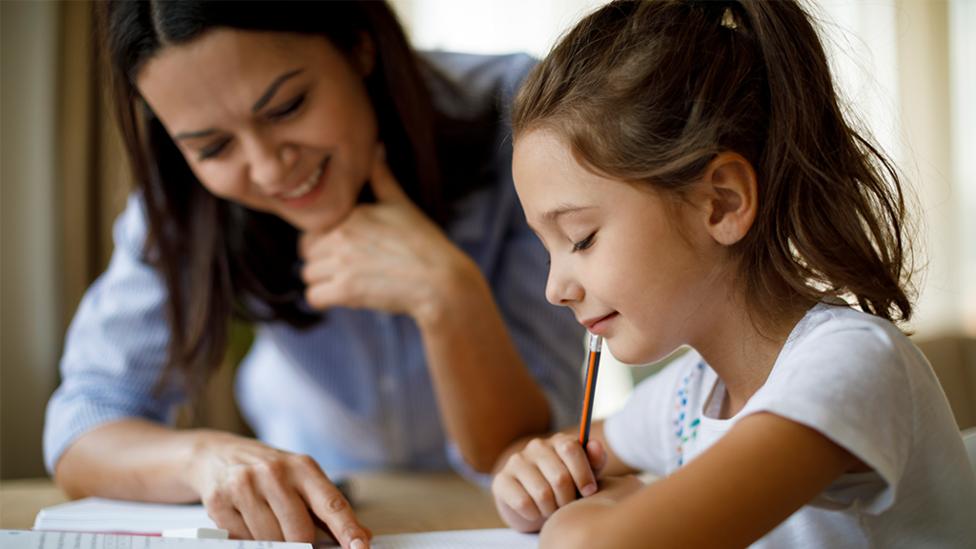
(252, 506)
(289, 508)
(225, 515)
(385, 186)
(329, 505)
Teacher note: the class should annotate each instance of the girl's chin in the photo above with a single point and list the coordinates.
(636, 354)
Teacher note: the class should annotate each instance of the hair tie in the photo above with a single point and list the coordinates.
(728, 20)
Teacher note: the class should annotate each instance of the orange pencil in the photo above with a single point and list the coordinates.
(592, 367)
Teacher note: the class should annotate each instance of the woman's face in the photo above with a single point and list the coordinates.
(278, 122)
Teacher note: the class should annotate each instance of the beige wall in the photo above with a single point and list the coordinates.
(30, 300)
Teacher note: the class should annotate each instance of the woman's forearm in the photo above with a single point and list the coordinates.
(130, 459)
(486, 395)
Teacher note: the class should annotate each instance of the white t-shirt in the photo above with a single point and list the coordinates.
(859, 381)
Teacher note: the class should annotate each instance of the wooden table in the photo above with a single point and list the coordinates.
(387, 503)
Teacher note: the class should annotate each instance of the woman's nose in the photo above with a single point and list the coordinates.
(561, 287)
(270, 164)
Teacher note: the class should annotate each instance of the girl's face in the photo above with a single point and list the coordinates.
(278, 122)
(618, 257)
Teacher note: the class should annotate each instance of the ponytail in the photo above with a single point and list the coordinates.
(651, 92)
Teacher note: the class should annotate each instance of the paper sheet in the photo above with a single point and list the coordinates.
(496, 538)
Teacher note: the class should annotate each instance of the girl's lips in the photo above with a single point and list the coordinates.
(600, 325)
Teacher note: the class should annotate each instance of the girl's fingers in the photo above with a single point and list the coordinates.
(578, 466)
(597, 455)
(538, 488)
(512, 495)
(557, 473)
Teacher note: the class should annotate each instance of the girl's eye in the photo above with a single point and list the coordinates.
(288, 108)
(585, 243)
(214, 150)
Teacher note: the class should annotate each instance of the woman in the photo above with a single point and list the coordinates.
(301, 168)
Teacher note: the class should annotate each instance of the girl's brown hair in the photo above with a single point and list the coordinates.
(650, 92)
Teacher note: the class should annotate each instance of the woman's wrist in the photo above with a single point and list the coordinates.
(458, 291)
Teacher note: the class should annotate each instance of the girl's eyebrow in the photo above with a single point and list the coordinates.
(552, 215)
(261, 102)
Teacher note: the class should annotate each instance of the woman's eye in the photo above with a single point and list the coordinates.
(585, 243)
(214, 150)
(288, 108)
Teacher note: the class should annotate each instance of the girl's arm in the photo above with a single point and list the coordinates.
(536, 477)
(751, 480)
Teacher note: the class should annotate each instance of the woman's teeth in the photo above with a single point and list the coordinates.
(306, 186)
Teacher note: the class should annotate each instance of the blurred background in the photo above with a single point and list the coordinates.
(905, 69)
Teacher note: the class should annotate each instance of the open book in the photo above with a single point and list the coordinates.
(58, 526)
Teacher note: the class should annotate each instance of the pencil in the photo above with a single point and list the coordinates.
(592, 367)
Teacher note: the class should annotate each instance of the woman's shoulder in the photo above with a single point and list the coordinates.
(469, 86)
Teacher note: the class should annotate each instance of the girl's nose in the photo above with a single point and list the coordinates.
(562, 288)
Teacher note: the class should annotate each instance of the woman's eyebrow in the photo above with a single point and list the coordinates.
(261, 102)
(269, 93)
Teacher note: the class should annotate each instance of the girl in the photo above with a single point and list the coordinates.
(397, 297)
(689, 170)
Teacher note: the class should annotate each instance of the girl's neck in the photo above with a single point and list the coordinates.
(742, 353)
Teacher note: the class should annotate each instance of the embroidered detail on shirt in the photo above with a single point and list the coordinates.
(685, 427)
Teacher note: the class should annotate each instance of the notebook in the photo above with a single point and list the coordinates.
(107, 515)
(88, 524)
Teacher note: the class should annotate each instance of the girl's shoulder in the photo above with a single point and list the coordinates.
(848, 338)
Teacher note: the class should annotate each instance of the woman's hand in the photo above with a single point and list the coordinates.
(545, 476)
(385, 256)
(257, 492)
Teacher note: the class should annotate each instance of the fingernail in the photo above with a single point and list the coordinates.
(357, 544)
(588, 490)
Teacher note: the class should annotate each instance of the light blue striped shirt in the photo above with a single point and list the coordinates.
(354, 391)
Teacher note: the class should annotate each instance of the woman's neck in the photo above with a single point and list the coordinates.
(742, 353)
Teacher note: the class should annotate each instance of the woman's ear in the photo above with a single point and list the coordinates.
(365, 55)
(728, 198)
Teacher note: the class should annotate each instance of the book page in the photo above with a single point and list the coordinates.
(33, 539)
(107, 515)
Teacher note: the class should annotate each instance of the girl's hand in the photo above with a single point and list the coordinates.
(544, 476)
(257, 492)
(385, 256)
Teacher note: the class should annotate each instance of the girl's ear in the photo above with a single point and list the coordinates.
(728, 198)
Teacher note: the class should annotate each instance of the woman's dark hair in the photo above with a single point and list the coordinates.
(650, 92)
(220, 259)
